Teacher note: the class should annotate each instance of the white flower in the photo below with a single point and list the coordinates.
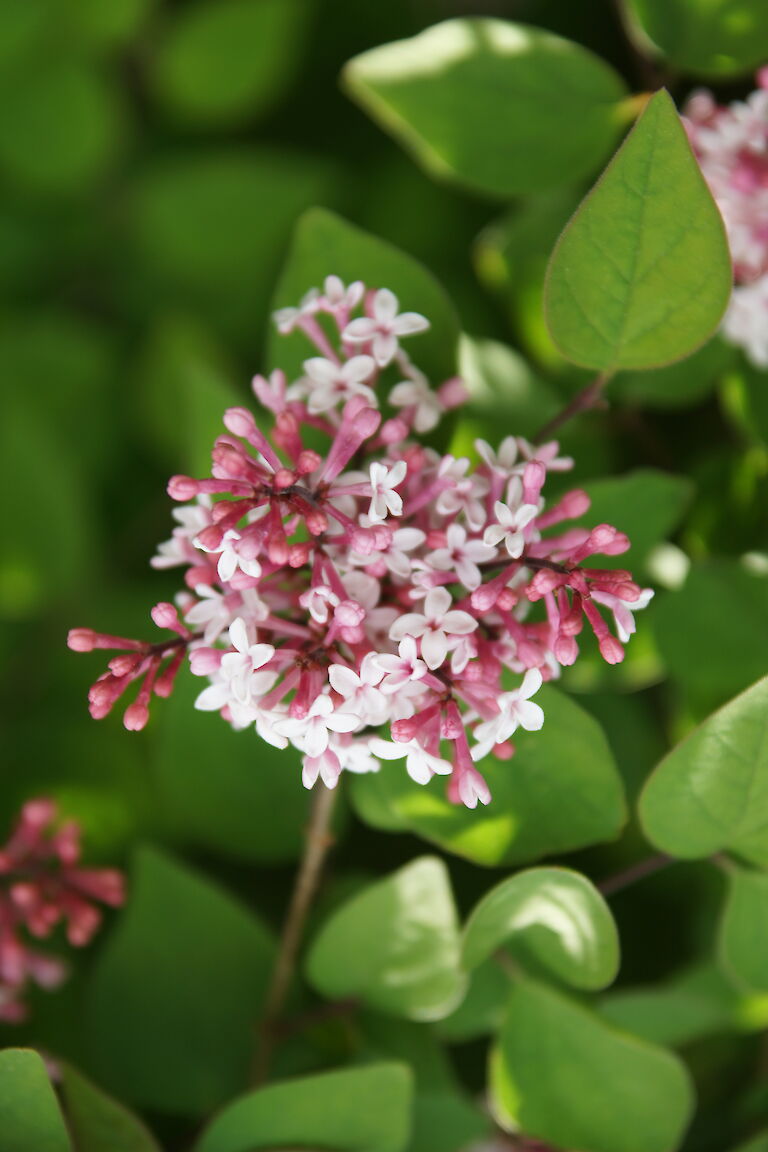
(510, 527)
(746, 321)
(338, 295)
(420, 765)
(384, 327)
(400, 669)
(504, 459)
(438, 621)
(472, 788)
(546, 454)
(416, 393)
(286, 319)
(623, 610)
(214, 610)
(329, 384)
(384, 498)
(361, 696)
(465, 494)
(318, 600)
(326, 766)
(231, 556)
(310, 734)
(461, 556)
(515, 711)
(192, 518)
(240, 679)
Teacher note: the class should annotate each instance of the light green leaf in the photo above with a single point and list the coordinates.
(222, 63)
(498, 108)
(97, 1122)
(712, 655)
(705, 37)
(642, 274)
(324, 244)
(561, 791)
(224, 790)
(646, 504)
(30, 1120)
(552, 914)
(175, 995)
(395, 946)
(349, 1110)
(710, 793)
(561, 1074)
(744, 929)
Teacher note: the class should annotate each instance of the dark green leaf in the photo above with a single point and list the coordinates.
(710, 793)
(97, 1122)
(30, 1120)
(642, 274)
(561, 1074)
(176, 993)
(482, 1009)
(499, 108)
(646, 504)
(324, 244)
(352, 1110)
(395, 946)
(679, 385)
(553, 914)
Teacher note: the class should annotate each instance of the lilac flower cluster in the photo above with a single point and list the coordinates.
(731, 144)
(376, 602)
(41, 886)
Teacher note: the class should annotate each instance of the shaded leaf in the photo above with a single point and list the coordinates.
(97, 1122)
(744, 929)
(31, 1120)
(176, 992)
(646, 504)
(349, 1110)
(706, 37)
(710, 793)
(499, 108)
(642, 274)
(561, 1074)
(553, 914)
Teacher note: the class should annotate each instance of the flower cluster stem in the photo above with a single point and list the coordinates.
(588, 397)
(317, 843)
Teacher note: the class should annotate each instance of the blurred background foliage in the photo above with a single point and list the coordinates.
(154, 159)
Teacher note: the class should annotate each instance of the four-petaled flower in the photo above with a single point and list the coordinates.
(420, 765)
(311, 733)
(515, 711)
(384, 326)
(434, 626)
(400, 669)
(327, 383)
(461, 556)
(384, 499)
(241, 679)
(510, 527)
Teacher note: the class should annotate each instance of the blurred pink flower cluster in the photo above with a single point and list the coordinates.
(358, 594)
(731, 144)
(42, 886)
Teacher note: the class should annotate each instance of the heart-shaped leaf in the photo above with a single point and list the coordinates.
(561, 1074)
(642, 273)
(500, 108)
(711, 792)
(353, 1109)
(553, 914)
(395, 945)
(744, 929)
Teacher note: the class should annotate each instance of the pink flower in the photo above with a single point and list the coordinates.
(327, 383)
(384, 327)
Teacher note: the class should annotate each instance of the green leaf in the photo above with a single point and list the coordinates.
(395, 946)
(349, 1110)
(97, 1122)
(561, 1074)
(325, 244)
(744, 929)
(756, 1144)
(503, 392)
(209, 67)
(710, 793)
(176, 993)
(60, 124)
(560, 792)
(552, 914)
(642, 274)
(224, 790)
(706, 37)
(31, 1120)
(646, 504)
(710, 654)
(482, 1009)
(206, 232)
(447, 1122)
(499, 108)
